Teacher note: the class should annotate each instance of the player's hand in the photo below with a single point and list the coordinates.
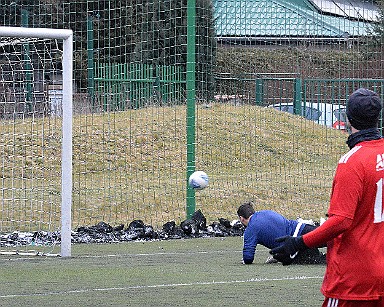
(287, 251)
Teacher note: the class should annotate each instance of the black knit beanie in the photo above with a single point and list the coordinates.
(363, 109)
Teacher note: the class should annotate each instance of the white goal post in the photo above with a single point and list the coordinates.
(66, 155)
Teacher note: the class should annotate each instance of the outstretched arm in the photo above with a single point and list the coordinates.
(286, 252)
(330, 229)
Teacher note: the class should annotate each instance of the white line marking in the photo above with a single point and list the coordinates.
(163, 286)
(156, 254)
(17, 258)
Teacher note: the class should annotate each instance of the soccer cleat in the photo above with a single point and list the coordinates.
(270, 260)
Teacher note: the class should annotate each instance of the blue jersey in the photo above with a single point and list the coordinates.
(263, 228)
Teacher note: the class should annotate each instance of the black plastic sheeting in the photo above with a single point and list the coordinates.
(195, 227)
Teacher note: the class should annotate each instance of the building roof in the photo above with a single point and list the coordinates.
(360, 10)
(284, 18)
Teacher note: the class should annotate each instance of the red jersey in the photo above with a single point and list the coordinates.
(355, 258)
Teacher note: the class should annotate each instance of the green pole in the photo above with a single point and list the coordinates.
(27, 63)
(259, 90)
(90, 68)
(190, 87)
(297, 101)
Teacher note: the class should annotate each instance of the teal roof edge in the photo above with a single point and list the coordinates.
(241, 18)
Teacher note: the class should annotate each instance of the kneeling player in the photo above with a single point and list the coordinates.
(263, 227)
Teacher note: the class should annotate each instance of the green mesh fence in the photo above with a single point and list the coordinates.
(166, 87)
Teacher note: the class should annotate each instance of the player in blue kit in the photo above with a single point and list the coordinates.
(263, 227)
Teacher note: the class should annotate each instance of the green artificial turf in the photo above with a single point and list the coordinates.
(189, 272)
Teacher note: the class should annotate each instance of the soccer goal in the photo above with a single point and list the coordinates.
(35, 140)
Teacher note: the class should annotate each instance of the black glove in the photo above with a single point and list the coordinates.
(286, 252)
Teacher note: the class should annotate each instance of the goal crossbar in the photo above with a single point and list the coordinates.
(66, 168)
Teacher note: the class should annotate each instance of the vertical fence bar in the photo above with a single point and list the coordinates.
(191, 130)
(297, 109)
(27, 62)
(259, 90)
(90, 68)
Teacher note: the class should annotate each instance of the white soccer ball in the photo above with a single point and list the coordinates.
(198, 180)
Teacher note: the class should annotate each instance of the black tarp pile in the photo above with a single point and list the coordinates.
(102, 232)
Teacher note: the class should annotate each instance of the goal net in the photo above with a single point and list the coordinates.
(35, 141)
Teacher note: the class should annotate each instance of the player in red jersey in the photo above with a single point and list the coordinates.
(354, 231)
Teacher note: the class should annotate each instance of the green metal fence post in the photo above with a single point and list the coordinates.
(190, 86)
(90, 68)
(259, 90)
(27, 63)
(298, 97)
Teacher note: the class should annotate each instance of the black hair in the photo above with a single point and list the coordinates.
(246, 210)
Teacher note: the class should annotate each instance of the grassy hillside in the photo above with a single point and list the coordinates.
(132, 165)
(320, 63)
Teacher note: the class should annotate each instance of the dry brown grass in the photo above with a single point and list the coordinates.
(132, 165)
